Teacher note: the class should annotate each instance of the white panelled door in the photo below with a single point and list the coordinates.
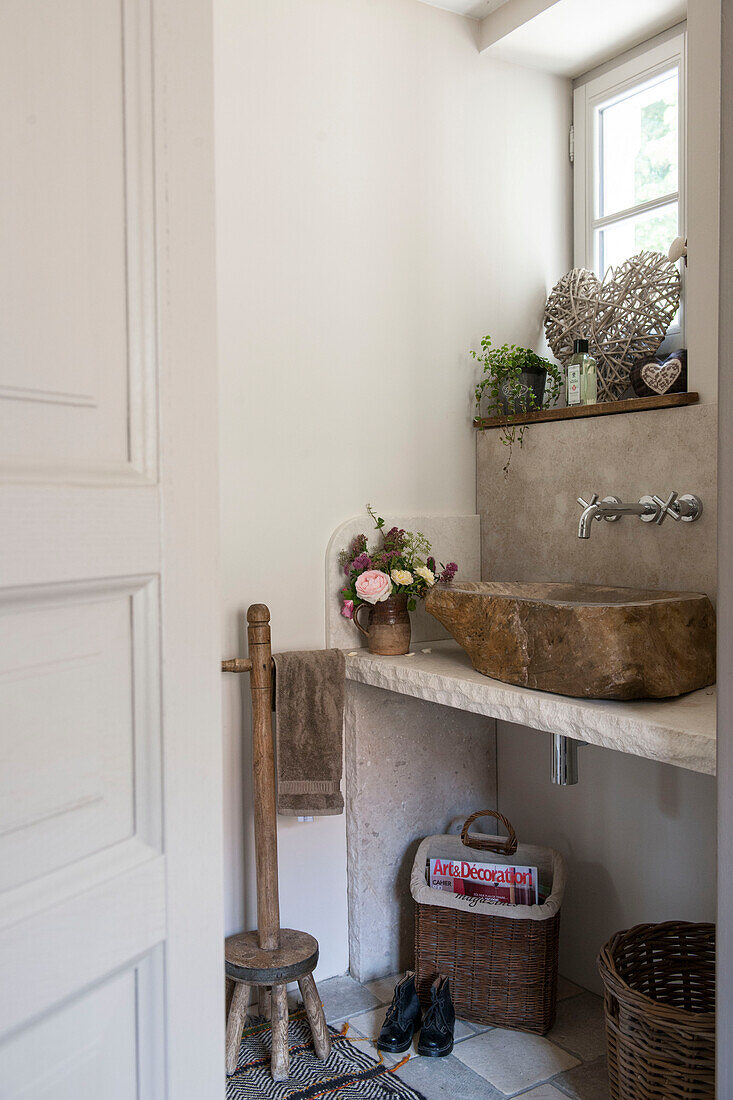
(111, 982)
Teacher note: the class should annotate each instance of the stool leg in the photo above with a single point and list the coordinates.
(280, 1055)
(235, 1022)
(228, 994)
(316, 1018)
(265, 1002)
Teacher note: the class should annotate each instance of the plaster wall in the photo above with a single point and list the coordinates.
(385, 196)
(703, 195)
(638, 836)
(529, 519)
(724, 991)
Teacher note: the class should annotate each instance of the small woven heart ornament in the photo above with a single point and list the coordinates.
(652, 377)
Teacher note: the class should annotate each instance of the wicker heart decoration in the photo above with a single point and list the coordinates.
(624, 318)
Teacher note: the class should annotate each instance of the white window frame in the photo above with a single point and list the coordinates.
(614, 81)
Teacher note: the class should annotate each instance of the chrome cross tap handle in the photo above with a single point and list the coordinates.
(687, 508)
(588, 503)
(665, 508)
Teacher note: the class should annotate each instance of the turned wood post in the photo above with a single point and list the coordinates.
(263, 766)
(297, 952)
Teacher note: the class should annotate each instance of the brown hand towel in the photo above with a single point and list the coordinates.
(309, 711)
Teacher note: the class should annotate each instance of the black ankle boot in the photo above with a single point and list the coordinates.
(403, 1017)
(436, 1037)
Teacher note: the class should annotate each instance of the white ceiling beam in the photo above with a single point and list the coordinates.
(514, 13)
(569, 37)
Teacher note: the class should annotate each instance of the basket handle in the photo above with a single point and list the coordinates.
(488, 844)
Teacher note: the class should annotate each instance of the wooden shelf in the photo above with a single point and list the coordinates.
(602, 408)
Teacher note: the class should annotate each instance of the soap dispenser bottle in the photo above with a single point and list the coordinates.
(582, 382)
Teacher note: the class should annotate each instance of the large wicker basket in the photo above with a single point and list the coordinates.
(502, 965)
(660, 1011)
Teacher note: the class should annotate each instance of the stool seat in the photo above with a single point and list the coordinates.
(247, 962)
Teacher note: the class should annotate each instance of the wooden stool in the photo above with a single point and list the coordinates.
(271, 957)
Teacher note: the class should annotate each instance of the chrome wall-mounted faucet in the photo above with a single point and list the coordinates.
(650, 509)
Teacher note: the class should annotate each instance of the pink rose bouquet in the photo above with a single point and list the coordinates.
(402, 565)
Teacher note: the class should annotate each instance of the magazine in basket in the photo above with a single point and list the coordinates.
(493, 883)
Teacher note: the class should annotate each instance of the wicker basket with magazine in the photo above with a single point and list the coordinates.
(502, 963)
(659, 984)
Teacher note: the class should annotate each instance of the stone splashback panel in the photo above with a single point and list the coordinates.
(454, 538)
(529, 519)
(412, 768)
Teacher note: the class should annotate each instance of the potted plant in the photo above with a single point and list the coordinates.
(516, 381)
(388, 580)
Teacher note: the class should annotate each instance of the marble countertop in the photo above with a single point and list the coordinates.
(674, 731)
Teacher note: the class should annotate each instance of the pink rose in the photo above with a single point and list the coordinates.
(373, 586)
(347, 609)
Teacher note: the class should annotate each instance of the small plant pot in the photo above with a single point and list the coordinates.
(388, 626)
(531, 382)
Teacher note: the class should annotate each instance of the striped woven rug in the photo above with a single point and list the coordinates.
(349, 1072)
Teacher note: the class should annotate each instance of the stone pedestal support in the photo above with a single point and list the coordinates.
(412, 768)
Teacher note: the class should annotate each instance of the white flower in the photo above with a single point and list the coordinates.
(401, 576)
(427, 575)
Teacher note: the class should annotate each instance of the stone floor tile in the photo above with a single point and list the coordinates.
(344, 996)
(587, 1082)
(446, 1079)
(513, 1060)
(383, 988)
(580, 1027)
(566, 988)
(543, 1092)
(478, 1028)
(462, 1030)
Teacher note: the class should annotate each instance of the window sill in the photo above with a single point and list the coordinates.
(601, 408)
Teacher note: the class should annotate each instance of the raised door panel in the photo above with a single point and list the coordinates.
(75, 174)
(78, 667)
(92, 1046)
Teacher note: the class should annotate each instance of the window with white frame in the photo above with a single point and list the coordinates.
(629, 145)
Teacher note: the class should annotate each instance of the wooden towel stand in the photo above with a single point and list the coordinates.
(271, 956)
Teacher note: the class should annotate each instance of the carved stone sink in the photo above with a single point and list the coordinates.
(582, 639)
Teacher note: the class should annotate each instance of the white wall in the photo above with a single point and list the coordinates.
(724, 991)
(385, 197)
(703, 196)
(638, 836)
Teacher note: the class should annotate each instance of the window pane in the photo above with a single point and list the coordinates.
(638, 145)
(654, 231)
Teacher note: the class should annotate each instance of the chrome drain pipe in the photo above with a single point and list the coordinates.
(565, 759)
